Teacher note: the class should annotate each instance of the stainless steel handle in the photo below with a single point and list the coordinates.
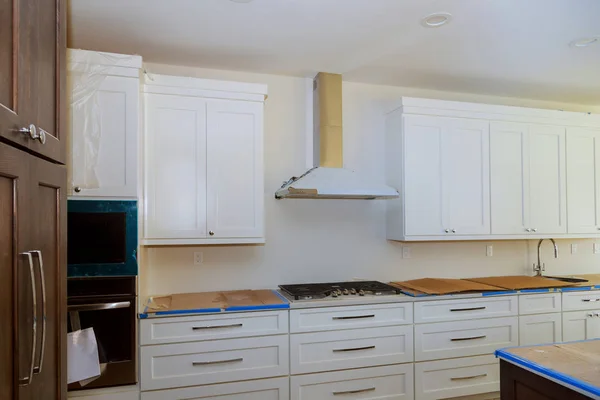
(370, 389)
(199, 328)
(462, 378)
(77, 189)
(534, 229)
(29, 131)
(453, 230)
(37, 369)
(27, 380)
(354, 349)
(528, 230)
(467, 309)
(590, 300)
(42, 136)
(468, 338)
(98, 306)
(197, 363)
(211, 233)
(355, 317)
(447, 230)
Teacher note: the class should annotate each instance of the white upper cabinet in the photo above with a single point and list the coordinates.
(103, 124)
(204, 168)
(583, 176)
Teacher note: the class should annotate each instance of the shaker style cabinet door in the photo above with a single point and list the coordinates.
(580, 325)
(235, 187)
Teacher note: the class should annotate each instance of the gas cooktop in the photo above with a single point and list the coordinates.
(315, 291)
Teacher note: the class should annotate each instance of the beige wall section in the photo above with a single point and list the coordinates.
(312, 240)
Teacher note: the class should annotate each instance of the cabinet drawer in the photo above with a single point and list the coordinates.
(200, 363)
(453, 310)
(263, 389)
(464, 338)
(540, 329)
(588, 300)
(389, 383)
(329, 351)
(208, 327)
(457, 377)
(335, 318)
(539, 303)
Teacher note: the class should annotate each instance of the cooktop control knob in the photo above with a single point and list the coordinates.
(352, 291)
(361, 293)
(346, 292)
(334, 293)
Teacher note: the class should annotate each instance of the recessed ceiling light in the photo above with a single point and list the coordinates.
(436, 20)
(585, 42)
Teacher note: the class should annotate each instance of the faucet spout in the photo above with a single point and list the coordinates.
(541, 267)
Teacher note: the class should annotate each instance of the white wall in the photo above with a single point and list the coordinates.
(310, 240)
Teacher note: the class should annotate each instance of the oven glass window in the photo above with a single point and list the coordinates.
(96, 238)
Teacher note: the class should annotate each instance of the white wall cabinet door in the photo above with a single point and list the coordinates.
(583, 177)
(540, 329)
(235, 188)
(446, 178)
(104, 137)
(580, 325)
(175, 188)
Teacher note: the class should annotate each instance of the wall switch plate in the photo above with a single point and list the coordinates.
(198, 258)
(573, 248)
(489, 250)
(405, 252)
(596, 248)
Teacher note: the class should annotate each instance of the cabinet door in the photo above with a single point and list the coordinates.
(175, 189)
(547, 179)
(580, 325)
(235, 190)
(465, 173)
(104, 137)
(423, 175)
(509, 174)
(583, 175)
(540, 329)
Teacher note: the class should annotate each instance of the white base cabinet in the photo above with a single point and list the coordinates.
(540, 329)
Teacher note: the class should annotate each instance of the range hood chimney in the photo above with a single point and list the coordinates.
(330, 180)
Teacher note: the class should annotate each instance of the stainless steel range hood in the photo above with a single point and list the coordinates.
(330, 180)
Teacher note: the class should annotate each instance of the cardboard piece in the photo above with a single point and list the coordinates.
(518, 282)
(445, 286)
(580, 360)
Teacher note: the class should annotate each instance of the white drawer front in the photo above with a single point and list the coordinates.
(464, 309)
(335, 318)
(382, 383)
(464, 338)
(214, 326)
(540, 329)
(329, 351)
(588, 300)
(263, 389)
(457, 377)
(542, 303)
(200, 363)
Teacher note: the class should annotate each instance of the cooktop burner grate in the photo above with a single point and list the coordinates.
(314, 291)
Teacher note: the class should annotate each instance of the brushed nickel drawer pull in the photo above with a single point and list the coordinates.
(354, 349)
(468, 377)
(468, 338)
(588, 300)
(355, 317)
(197, 363)
(468, 309)
(354, 391)
(199, 328)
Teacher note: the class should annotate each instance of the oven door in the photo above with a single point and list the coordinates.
(113, 320)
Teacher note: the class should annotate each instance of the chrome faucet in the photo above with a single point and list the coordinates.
(539, 268)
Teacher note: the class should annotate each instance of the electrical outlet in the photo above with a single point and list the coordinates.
(573, 248)
(596, 248)
(489, 250)
(198, 258)
(405, 252)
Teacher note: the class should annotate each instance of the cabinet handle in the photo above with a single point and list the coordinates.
(98, 306)
(355, 317)
(462, 378)
(468, 338)
(534, 229)
(590, 300)
(447, 230)
(27, 380)
(37, 369)
(354, 349)
(197, 363)
(77, 189)
(29, 131)
(199, 328)
(528, 230)
(467, 309)
(453, 230)
(211, 233)
(370, 389)
(42, 136)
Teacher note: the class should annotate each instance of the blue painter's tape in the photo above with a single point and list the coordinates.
(261, 307)
(576, 289)
(281, 297)
(414, 294)
(143, 315)
(499, 293)
(548, 372)
(542, 290)
(196, 311)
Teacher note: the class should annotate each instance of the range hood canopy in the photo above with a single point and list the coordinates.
(330, 180)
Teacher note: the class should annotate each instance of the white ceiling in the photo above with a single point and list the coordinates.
(517, 48)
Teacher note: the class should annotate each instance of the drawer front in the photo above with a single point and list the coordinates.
(464, 338)
(465, 309)
(540, 329)
(201, 363)
(385, 383)
(263, 389)
(542, 303)
(336, 318)
(329, 351)
(588, 300)
(457, 377)
(214, 326)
